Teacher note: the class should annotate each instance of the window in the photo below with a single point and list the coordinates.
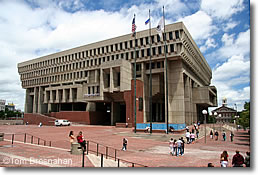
(125, 44)
(140, 107)
(88, 90)
(141, 41)
(159, 50)
(171, 47)
(177, 34)
(158, 64)
(142, 53)
(147, 40)
(131, 43)
(136, 42)
(152, 39)
(148, 52)
(158, 38)
(126, 55)
(147, 66)
(154, 51)
(137, 54)
(121, 46)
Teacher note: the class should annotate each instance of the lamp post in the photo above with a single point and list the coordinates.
(215, 115)
(236, 117)
(220, 120)
(204, 112)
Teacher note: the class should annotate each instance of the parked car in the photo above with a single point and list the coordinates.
(62, 123)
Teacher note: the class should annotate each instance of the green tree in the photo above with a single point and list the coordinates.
(244, 119)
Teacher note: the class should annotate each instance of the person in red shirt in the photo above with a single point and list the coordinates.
(81, 140)
(238, 160)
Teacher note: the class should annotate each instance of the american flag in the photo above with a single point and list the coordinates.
(133, 26)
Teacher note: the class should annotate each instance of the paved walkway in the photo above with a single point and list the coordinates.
(143, 148)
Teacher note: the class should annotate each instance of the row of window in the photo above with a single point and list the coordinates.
(83, 75)
(102, 50)
(97, 61)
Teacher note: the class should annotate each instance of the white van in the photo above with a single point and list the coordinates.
(62, 123)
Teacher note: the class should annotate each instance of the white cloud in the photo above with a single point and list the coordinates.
(231, 74)
(222, 9)
(199, 25)
(230, 25)
(210, 43)
(240, 45)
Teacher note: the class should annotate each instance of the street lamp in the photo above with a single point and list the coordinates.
(236, 117)
(220, 120)
(214, 119)
(204, 112)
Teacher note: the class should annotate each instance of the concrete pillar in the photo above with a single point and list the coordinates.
(28, 102)
(111, 81)
(35, 100)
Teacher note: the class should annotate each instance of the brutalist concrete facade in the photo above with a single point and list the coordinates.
(99, 77)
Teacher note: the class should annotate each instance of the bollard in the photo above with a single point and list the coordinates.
(88, 144)
(106, 152)
(97, 149)
(44, 142)
(25, 138)
(50, 143)
(31, 140)
(12, 138)
(83, 156)
(132, 164)
(101, 160)
(38, 140)
(115, 154)
(118, 163)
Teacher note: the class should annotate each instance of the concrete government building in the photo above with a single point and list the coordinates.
(94, 83)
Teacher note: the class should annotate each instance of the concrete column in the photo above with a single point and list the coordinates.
(111, 81)
(28, 102)
(35, 100)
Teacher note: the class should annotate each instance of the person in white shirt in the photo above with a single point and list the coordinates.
(179, 147)
(187, 135)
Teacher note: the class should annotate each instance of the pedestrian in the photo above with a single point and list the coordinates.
(187, 129)
(40, 125)
(183, 145)
(247, 159)
(81, 141)
(179, 147)
(224, 159)
(199, 123)
(216, 135)
(231, 136)
(197, 133)
(192, 129)
(71, 137)
(210, 165)
(211, 134)
(238, 160)
(187, 136)
(224, 135)
(174, 153)
(192, 137)
(125, 141)
(171, 146)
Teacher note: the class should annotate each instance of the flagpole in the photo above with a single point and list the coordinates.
(150, 83)
(166, 63)
(134, 79)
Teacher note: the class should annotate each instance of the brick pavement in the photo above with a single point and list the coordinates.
(144, 148)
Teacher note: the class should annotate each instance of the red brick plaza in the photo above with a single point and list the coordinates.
(151, 150)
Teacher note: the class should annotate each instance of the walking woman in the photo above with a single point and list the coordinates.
(72, 138)
(224, 159)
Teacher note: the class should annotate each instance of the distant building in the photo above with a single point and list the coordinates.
(2, 105)
(226, 113)
(10, 107)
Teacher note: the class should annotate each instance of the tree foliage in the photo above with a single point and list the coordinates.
(244, 119)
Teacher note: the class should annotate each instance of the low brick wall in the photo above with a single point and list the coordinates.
(11, 122)
(35, 119)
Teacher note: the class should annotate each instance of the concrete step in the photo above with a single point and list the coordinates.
(96, 161)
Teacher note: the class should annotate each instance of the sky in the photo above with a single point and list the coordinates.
(34, 28)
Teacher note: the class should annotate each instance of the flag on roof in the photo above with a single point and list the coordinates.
(133, 27)
(147, 21)
(160, 27)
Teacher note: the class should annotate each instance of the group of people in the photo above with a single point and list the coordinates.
(191, 135)
(177, 147)
(79, 138)
(237, 161)
(224, 135)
